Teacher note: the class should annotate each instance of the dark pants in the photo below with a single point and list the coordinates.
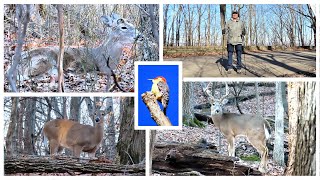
(230, 49)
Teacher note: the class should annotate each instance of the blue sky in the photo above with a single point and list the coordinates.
(266, 17)
(171, 73)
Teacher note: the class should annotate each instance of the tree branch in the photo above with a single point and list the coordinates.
(156, 114)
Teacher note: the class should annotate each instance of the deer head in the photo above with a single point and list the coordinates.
(65, 133)
(254, 127)
(123, 35)
(216, 104)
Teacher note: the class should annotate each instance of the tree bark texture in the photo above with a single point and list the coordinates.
(302, 129)
(131, 143)
(179, 158)
(156, 114)
(68, 165)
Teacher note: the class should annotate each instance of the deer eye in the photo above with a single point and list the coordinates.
(217, 111)
(123, 27)
(102, 114)
(213, 104)
(120, 21)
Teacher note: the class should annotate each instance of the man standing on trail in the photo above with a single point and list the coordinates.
(235, 31)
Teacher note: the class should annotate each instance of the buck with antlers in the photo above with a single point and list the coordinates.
(118, 47)
(254, 127)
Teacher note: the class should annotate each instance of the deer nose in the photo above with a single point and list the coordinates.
(97, 119)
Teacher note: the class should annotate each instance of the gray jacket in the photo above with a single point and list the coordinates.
(235, 31)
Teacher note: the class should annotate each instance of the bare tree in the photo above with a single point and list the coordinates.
(302, 129)
(223, 8)
(74, 111)
(61, 48)
(11, 143)
(165, 23)
(23, 18)
(111, 132)
(131, 143)
(278, 153)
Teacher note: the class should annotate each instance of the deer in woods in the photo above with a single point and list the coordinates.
(65, 133)
(113, 52)
(256, 129)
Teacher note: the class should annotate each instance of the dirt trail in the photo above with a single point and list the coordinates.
(259, 64)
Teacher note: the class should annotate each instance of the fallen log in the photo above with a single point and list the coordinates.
(176, 159)
(36, 164)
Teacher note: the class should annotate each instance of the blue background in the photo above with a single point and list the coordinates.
(171, 73)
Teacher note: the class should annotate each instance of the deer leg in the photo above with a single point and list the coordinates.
(261, 147)
(54, 145)
(231, 150)
(264, 156)
(77, 151)
(92, 153)
(60, 148)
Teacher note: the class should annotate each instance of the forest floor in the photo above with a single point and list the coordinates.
(210, 133)
(257, 63)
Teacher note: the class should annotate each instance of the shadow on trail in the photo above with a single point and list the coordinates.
(224, 63)
(273, 61)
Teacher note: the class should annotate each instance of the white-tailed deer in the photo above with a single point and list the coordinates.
(254, 127)
(121, 39)
(65, 133)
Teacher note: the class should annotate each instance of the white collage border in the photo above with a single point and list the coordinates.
(160, 2)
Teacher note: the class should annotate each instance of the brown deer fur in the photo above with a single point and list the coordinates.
(65, 133)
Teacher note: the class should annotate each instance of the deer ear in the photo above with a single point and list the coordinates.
(107, 20)
(225, 101)
(115, 16)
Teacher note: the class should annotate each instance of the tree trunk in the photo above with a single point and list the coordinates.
(11, 143)
(131, 143)
(153, 136)
(23, 20)
(223, 8)
(69, 166)
(194, 158)
(258, 98)
(61, 48)
(208, 39)
(165, 23)
(155, 28)
(302, 129)
(278, 153)
(74, 112)
(29, 126)
(20, 125)
(111, 132)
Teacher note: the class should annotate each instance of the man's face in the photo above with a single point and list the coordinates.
(235, 16)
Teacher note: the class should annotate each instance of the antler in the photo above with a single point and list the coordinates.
(227, 93)
(208, 90)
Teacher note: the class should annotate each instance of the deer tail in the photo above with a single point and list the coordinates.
(267, 129)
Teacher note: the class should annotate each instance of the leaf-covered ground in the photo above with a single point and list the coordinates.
(211, 134)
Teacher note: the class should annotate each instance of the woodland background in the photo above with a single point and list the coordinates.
(24, 118)
(82, 28)
(289, 107)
